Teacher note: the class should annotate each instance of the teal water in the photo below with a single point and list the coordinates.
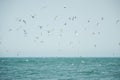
(59, 68)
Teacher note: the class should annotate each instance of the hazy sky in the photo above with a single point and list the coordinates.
(69, 28)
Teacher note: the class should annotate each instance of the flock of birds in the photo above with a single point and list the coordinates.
(73, 18)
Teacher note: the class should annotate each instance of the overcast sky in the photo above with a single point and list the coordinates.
(62, 28)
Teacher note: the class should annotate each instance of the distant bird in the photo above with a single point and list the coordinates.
(119, 43)
(88, 21)
(102, 18)
(65, 24)
(24, 21)
(19, 20)
(40, 27)
(117, 21)
(25, 32)
(64, 7)
(75, 17)
(69, 18)
(10, 29)
(72, 18)
(94, 45)
(98, 32)
(33, 17)
(48, 31)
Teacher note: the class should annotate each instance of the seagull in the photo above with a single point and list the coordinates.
(64, 7)
(95, 45)
(72, 18)
(65, 24)
(40, 27)
(88, 21)
(117, 21)
(19, 20)
(75, 17)
(102, 18)
(48, 31)
(119, 43)
(98, 32)
(24, 21)
(25, 32)
(10, 29)
(33, 16)
(69, 18)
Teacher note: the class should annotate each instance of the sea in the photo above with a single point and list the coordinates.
(59, 68)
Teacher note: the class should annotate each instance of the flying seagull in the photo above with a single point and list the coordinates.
(117, 21)
(33, 16)
(24, 21)
(94, 45)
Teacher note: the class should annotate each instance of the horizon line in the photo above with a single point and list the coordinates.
(62, 57)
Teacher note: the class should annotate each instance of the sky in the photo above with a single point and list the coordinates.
(59, 28)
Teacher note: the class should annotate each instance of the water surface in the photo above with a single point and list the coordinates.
(59, 68)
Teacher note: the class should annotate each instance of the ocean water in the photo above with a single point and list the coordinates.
(59, 68)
